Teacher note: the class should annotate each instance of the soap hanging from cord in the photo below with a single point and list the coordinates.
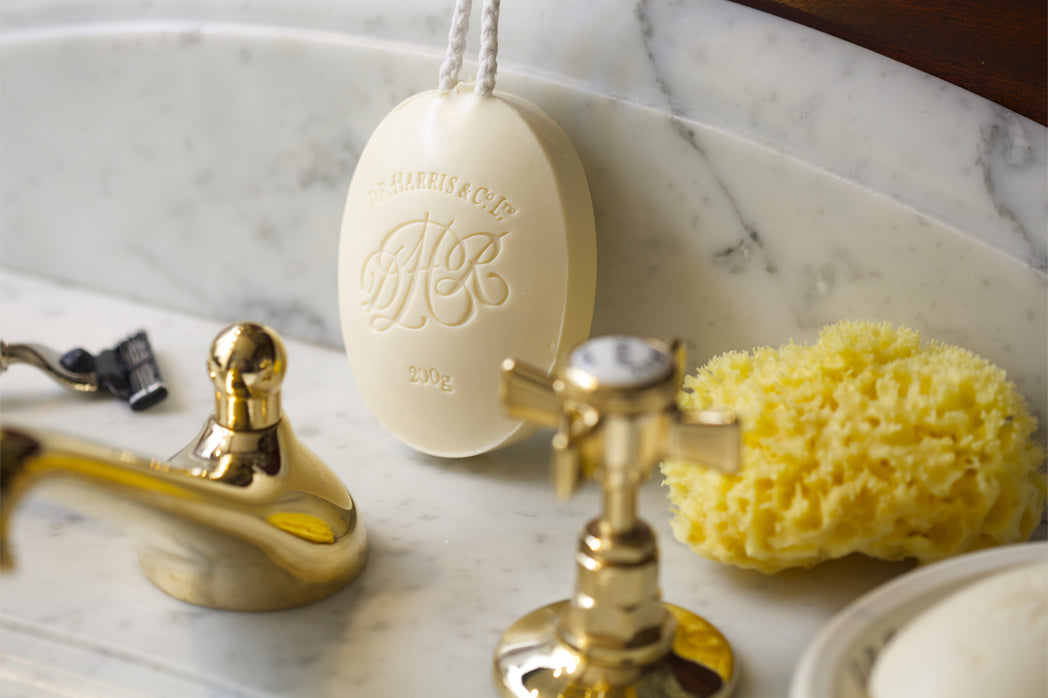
(467, 237)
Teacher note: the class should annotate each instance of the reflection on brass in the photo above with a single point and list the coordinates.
(615, 411)
(245, 517)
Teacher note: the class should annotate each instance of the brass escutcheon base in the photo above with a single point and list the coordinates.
(533, 661)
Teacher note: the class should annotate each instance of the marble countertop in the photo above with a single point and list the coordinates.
(459, 548)
(752, 179)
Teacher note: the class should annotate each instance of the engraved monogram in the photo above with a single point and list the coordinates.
(425, 271)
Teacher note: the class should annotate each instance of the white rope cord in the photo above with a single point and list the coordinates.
(489, 48)
(489, 36)
(449, 71)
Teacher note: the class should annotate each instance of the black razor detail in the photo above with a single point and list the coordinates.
(129, 370)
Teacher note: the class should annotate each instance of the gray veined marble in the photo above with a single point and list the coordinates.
(752, 179)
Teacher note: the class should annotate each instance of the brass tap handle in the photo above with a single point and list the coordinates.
(710, 438)
(614, 407)
(247, 363)
(527, 393)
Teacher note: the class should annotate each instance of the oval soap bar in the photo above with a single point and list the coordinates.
(467, 237)
(988, 639)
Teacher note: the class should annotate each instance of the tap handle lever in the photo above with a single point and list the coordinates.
(527, 393)
(712, 439)
(614, 408)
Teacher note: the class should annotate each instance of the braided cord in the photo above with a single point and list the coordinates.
(489, 46)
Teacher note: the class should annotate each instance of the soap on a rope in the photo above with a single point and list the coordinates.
(468, 237)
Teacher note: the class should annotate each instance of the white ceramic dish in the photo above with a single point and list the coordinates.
(837, 662)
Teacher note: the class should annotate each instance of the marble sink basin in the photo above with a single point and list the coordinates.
(459, 549)
(178, 165)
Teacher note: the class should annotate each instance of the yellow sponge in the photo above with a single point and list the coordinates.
(864, 442)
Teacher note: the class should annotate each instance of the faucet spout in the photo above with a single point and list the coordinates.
(242, 519)
(255, 541)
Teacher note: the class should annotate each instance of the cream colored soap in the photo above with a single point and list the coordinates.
(467, 238)
(988, 639)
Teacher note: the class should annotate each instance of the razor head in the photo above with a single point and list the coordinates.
(129, 370)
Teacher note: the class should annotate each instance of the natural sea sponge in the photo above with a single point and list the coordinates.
(863, 442)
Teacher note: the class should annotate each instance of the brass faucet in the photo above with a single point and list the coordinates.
(614, 408)
(244, 518)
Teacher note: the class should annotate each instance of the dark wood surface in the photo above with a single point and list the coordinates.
(997, 49)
